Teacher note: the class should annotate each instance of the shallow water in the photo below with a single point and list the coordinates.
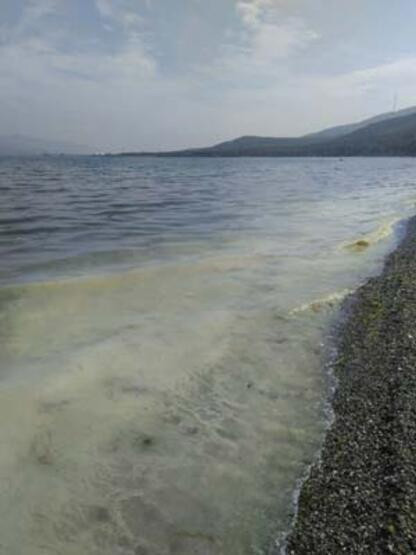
(163, 327)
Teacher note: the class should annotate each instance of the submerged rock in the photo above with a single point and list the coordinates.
(359, 245)
(147, 441)
(98, 513)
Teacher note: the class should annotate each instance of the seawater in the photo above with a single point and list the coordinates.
(163, 330)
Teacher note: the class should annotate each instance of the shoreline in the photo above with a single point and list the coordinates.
(360, 496)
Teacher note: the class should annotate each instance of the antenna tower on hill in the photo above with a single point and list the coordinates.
(395, 102)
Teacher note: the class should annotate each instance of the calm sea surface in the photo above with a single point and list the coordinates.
(164, 325)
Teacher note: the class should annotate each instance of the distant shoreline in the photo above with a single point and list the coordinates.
(388, 135)
(361, 495)
(391, 134)
(217, 155)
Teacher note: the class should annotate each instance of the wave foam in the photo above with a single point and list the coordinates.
(382, 232)
(317, 305)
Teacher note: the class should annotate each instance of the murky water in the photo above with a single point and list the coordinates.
(162, 329)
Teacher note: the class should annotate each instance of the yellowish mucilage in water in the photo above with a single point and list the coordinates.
(163, 397)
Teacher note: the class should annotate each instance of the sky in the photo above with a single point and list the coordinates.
(163, 74)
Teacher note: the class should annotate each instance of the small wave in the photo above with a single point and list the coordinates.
(410, 201)
(382, 232)
(317, 305)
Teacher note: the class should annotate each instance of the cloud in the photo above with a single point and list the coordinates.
(251, 11)
(119, 13)
(383, 79)
(272, 41)
(33, 49)
(105, 8)
(272, 35)
(264, 46)
(33, 13)
(134, 58)
(34, 59)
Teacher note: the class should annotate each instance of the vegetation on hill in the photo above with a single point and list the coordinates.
(391, 134)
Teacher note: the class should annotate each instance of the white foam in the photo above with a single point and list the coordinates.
(326, 301)
(383, 231)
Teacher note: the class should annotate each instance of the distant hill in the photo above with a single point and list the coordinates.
(20, 145)
(342, 130)
(390, 134)
(388, 137)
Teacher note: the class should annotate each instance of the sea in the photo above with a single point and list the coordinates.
(166, 337)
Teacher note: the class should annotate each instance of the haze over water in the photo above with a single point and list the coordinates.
(163, 328)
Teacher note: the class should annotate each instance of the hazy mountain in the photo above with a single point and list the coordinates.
(388, 137)
(392, 134)
(342, 130)
(389, 134)
(20, 145)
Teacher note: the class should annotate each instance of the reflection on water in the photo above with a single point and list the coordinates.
(162, 327)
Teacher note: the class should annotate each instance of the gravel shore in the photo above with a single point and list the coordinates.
(361, 496)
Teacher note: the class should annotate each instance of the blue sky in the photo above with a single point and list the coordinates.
(156, 74)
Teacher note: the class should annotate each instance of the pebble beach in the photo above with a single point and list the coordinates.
(360, 496)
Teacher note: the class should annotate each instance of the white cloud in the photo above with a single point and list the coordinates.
(32, 51)
(134, 57)
(265, 46)
(272, 41)
(271, 35)
(119, 13)
(251, 11)
(393, 76)
(35, 59)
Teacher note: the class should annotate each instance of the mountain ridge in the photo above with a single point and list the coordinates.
(345, 129)
(389, 134)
